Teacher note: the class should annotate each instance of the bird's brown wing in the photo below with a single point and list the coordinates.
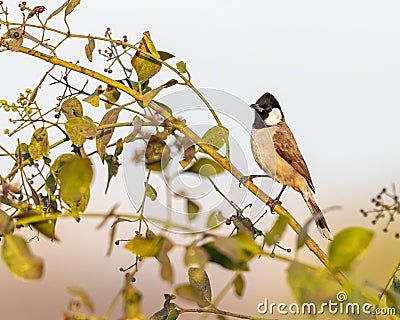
(287, 148)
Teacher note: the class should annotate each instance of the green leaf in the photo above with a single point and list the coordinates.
(104, 136)
(119, 147)
(165, 55)
(22, 153)
(216, 137)
(239, 284)
(181, 66)
(192, 209)
(145, 66)
(39, 146)
(163, 106)
(393, 295)
(82, 296)
(137, 126)
(157, 154)
(311, 284)
(214, 219)
(94, 98)
(145, 247)
(132, 303)
(71, 6)
(75, 178)
(150, 95)
(347, 246)
(112, 94)
(205, 167)
(47, 228)
(72, 108)
(79, 130)
(187, 292)
(277, 230)
(196, 256)
(151, 192)
(173, 314)
(19, 259)
(200, 282)
(6, 223)
(232, 253)
(89, 47)
(60, 161)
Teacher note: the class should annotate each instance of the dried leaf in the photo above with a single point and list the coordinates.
(39, 146)
(200, 282)
(165, 55)
(89, 47)
(71, 6)
(188, 156)
(58, 10)
(82, 296)
(6, 223)
(104, 136)
(148, 96)
(137, 126)
(72, 108)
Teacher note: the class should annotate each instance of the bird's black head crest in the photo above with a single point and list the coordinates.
(268, 111)
(268, 101)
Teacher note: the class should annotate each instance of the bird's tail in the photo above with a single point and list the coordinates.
(319, 219)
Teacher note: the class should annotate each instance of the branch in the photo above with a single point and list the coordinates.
(179, 125)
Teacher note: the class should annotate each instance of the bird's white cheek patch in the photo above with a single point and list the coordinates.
(274, 117)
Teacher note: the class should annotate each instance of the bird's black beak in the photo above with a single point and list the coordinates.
(256, 107)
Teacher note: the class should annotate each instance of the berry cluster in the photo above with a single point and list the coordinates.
(387, 205)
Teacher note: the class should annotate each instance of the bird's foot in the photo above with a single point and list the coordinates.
(250, 178)
(275, 202)
(244, 179)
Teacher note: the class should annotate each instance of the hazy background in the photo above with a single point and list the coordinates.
(334, 68)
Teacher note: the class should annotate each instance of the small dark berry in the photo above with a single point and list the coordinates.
(117, 243)
(397, 235)
(105, 70)
(228, 222)
(57, 116)
(133, 279)
(109, 71)
(385, 230)
(373, 221)
(383, 190)
(289, 250)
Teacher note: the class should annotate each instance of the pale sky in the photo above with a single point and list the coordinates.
(335, 69)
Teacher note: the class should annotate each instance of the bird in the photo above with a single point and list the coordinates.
(276, 152)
